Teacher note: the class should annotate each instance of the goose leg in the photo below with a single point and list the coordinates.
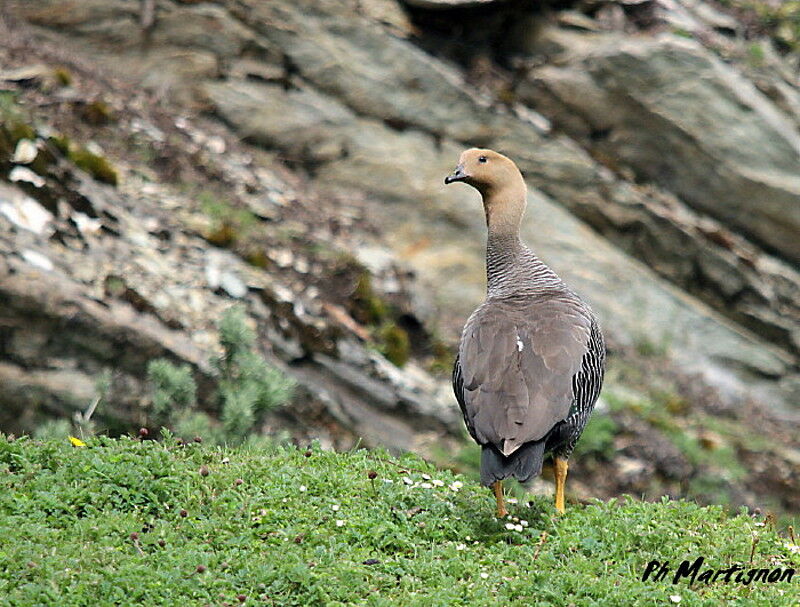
(497, 486)
(561, 468)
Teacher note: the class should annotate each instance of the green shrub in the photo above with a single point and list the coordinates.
(173, 388)
(238, 412)
(247, 387)
(234, 334)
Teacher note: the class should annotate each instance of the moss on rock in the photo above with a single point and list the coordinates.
(97, 166)
(395, 344)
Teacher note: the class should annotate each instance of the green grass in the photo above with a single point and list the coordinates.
(126, 522)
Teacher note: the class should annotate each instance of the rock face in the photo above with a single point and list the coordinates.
(448, 4)
(64, 324)
(681, 118)
(666, 124)
(663, 186)
(370, 112)
(99, 279)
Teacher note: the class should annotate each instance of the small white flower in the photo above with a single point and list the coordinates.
(426, 477)
(515, 519)
(517, 527)
(675, 598)
(512, 500)
(407, 481)
(426, 485)
(456, 485)
(226, 460)
(759, 524)
(335, 507)
(510, 526)
(340, 523)
(388, 480)
(468, 538)
(303, 488)
(437, 483)
(484, 575)
(461, 547)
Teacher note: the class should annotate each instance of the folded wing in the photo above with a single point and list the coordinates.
(515, 368)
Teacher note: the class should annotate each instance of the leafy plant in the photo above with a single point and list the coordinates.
(247, 387)
(173, 388)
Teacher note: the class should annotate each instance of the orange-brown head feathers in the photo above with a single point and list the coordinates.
(498, 180)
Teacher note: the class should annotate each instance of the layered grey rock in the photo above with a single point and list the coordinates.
(84, 296)
(366, 112)
(681, 118)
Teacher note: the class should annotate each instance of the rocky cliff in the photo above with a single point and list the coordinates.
(290, 155)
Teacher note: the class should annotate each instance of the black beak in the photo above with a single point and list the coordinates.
(457, 175)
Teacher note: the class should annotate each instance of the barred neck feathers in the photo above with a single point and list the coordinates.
(513, 269)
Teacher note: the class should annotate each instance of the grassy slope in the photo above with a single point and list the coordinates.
(67, 515)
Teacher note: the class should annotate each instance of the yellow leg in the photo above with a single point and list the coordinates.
(561, 468)
(498, 494)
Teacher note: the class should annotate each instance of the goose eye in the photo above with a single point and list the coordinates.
(482, 159)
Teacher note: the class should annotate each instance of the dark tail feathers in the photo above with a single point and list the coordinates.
(523, 464)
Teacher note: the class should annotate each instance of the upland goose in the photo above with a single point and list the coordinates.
(530, 363)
